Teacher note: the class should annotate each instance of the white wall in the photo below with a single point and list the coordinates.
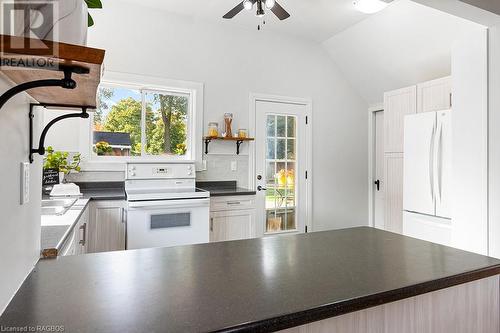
(402, 45)
(234, 62)
(470, 141)
(19, 225)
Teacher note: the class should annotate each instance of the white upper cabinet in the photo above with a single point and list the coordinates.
(397, 104)
(434, 95)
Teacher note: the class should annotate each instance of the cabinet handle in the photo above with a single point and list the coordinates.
(83, 240)
(234, 203)
(211, 224)
(124, 215)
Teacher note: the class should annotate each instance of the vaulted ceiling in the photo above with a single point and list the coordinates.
(317, 20)
(402, 45)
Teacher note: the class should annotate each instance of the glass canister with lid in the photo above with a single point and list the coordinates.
(213, 129)
(228, 121)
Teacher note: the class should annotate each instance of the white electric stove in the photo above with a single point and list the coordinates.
(164, 206)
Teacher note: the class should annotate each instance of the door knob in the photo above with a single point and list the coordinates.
(377, 182)
(260, 188)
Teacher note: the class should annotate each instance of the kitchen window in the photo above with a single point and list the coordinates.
(134, 122)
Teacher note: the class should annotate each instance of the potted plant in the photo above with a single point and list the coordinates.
(60, 160)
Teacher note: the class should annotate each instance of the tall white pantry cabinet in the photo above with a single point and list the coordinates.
(425, 97)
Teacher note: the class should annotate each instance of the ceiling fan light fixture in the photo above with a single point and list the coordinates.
(260, 9)
(369, 6)
(248, 4)
(270, 3)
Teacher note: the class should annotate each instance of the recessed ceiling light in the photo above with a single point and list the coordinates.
(369, 6)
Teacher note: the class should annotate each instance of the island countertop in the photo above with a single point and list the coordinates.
(251, 285)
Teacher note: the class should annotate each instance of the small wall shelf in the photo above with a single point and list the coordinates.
(238, 141)
(44, 67)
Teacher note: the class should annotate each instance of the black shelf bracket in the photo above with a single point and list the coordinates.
(238, 144)
(41, 146)
(67, 83)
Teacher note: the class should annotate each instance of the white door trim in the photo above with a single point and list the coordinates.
(254, 97)
(371, 161)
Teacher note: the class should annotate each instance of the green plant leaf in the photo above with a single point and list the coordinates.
(90, 21)
(94, 3)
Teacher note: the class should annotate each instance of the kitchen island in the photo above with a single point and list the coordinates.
(337, 281)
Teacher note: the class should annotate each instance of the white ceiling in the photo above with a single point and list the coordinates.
(404, 44)
(317, 20)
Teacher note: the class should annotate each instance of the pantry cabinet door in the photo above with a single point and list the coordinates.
(434, 95)
(397, 104)
(394, 164)
(232, 225)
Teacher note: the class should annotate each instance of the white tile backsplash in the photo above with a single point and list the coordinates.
(219, 168)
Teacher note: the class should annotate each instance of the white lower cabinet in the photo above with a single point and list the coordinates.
(232, 218)
(107, 230)
(77, 242)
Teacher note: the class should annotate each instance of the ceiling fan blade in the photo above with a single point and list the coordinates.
(280, 11)
(236, 10)
(232, 13)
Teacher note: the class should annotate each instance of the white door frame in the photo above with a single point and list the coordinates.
(371, 161)
(254, 98)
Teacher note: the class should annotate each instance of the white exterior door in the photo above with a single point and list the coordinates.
(280, 169)
(378, 182)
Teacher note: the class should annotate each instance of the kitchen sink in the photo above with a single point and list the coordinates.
(55, 210)
(57, 206)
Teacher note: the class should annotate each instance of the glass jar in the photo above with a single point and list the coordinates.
(228, 121)
(213, 130)
(242, 133)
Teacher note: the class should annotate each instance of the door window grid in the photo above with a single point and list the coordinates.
(280, 173)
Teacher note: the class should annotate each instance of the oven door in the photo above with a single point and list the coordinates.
(166, 223)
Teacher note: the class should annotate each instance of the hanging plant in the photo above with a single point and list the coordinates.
(93, 4)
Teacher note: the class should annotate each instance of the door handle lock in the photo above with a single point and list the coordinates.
(377, 183)
(260, 188)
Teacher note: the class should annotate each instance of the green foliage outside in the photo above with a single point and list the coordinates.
(165, 124)
(60, 160)
(103, 148)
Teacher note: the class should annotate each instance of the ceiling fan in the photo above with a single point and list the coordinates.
(272, 5)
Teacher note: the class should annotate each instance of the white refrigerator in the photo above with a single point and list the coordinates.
(427, 176)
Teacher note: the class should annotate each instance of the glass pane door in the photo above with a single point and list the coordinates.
(280, 170)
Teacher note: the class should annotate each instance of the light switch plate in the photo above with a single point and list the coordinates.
(25, 183)
(234, 165)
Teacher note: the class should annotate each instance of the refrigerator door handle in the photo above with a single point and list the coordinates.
(431, 161)
(440, 162)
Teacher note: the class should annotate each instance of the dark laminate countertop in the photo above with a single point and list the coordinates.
(223, 188)
(251, 285)
(103, 191)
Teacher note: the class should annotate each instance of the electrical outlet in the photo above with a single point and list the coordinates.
(25, 183)
(234, 166)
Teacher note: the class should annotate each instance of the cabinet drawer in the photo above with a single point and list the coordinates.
(232, 203)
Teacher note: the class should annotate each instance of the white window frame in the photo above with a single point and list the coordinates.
(141, 83)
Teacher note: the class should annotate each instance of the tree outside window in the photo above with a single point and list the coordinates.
(118, 120)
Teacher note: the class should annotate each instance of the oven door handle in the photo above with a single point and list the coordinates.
(188, 203)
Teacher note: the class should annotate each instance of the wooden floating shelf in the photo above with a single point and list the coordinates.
(58, 55)
(238, 141)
